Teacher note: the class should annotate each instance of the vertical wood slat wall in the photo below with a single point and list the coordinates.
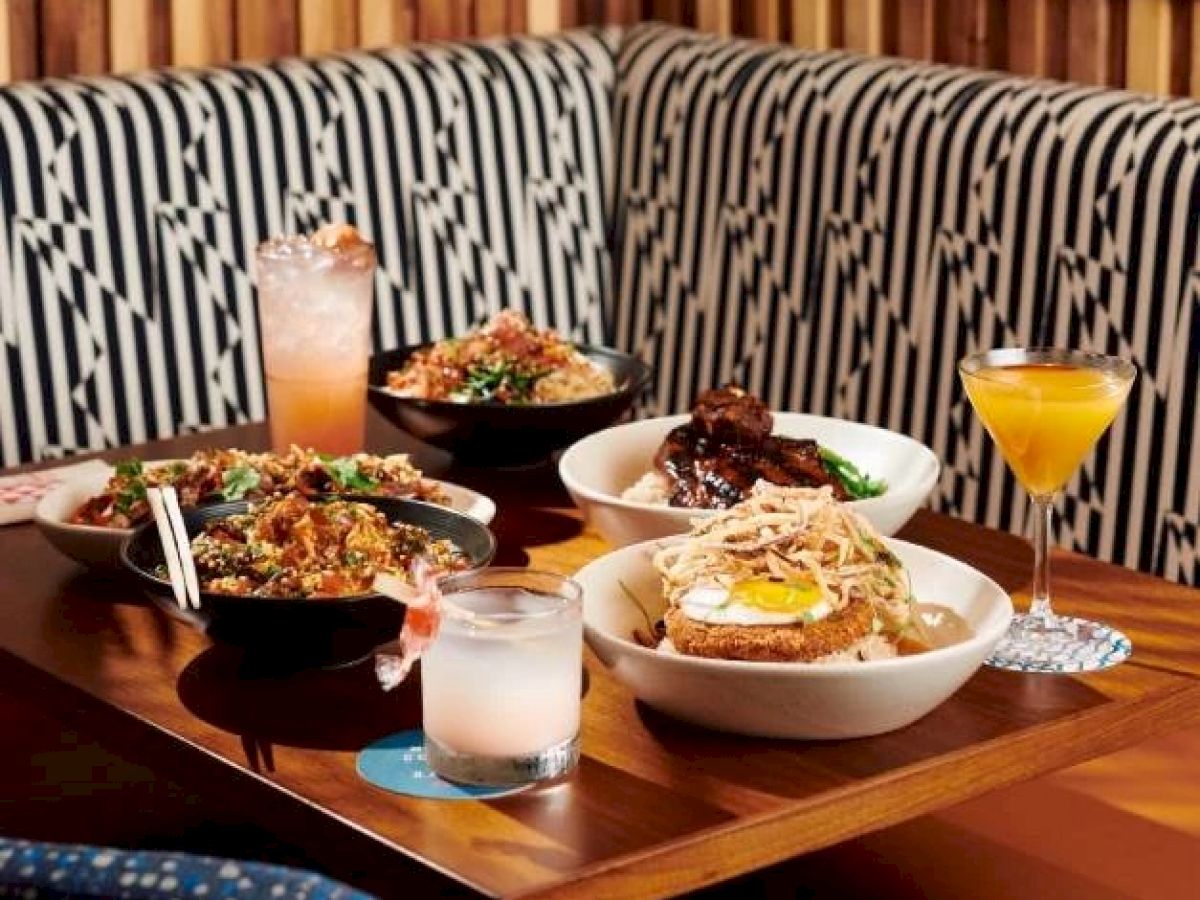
(1147, 45)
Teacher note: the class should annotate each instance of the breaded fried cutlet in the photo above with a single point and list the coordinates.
(770, 643)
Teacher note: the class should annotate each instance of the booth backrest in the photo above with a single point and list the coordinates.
(835, 232)
(831, 231)
(130, 209)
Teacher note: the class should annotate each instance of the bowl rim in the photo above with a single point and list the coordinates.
(574, 485)
(978, 641)
(639, 380)
(43, 520)
(163, 585)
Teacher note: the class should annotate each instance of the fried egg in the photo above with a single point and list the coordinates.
(756, 602)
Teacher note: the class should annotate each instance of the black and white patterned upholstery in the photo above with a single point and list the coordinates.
(130, 209)
(836, 232)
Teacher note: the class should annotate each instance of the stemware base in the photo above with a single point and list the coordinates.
(1059, 644)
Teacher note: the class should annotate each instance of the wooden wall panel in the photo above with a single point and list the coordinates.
(139, 34)
(542, 16)
(863, 25)
(267, 29)
(74, 37)
(1091, 29)
(970, 33)
(1036, 37)
(328, 25)
(1194, 77)
(443, 20)
(201, 32)
(491, 18)
(1149, 45)
(812, 23)
(912, 28)
(623, 12)
(18, 40)
(765, 20)
(715, 16)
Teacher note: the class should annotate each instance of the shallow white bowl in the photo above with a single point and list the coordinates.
(790, 700)
(598, 468)
(99, 547)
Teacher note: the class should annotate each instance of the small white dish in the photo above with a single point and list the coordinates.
(99, 547)
(597, 469)
(790, 700)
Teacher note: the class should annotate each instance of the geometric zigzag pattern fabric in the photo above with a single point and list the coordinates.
(831, 231)
(130, 209)
(835, 232)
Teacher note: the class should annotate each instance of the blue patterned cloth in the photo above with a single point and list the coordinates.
(35, 870)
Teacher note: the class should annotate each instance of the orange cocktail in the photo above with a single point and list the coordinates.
(315, 318)
(1045, 416)
(1046, 408)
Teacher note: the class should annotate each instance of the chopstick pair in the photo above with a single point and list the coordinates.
(177, 548)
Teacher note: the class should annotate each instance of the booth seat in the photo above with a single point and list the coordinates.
(43, 871)
(831, 231)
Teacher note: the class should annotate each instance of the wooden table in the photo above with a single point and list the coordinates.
(656, 806)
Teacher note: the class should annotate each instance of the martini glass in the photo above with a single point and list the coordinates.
(1046, 409)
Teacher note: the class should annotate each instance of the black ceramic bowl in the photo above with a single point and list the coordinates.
(491, 434)
(300, 632)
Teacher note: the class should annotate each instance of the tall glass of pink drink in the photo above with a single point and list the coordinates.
(314, 297)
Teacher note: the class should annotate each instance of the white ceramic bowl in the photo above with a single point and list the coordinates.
(598, 468)
(790, 700)
(99, 547)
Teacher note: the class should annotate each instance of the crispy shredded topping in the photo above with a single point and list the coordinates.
(791, 534)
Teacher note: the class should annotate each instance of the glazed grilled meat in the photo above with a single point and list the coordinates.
(714, 460)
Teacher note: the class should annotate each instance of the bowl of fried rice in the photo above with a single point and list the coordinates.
(289, 578)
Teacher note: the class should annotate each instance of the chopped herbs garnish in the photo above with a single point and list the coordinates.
(129, 468)
(238, 481)
(858, 485)
(347, 476)
(484, 383)
(129, 496)
(134, 489)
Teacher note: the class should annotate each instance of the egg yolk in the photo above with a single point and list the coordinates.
(776, 596)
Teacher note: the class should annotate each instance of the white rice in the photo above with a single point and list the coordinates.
(650, 488)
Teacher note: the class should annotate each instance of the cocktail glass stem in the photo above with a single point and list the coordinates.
(1043, 512)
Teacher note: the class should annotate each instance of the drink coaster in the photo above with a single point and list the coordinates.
(396, 763)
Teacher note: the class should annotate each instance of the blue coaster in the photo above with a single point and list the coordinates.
(397, 764)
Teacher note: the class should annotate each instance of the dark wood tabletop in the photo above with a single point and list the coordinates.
(656, 806)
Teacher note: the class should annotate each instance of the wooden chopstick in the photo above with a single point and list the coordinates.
(166, 537)
(186, 561)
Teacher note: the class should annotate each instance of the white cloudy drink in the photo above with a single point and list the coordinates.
(501, 688)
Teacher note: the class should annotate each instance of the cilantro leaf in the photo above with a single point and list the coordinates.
(129, 496)
(858, 485)
(347, 477)
(129, 468)
(238, 481)
(484, 383)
